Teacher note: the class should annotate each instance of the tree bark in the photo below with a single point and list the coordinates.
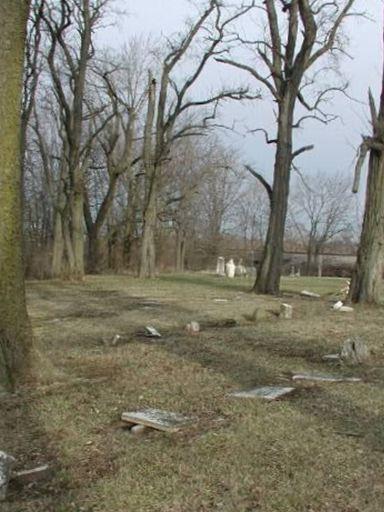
(269, 272)
(367, 275)
(15, 332)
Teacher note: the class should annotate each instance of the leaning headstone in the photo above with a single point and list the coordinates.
(157, 419)
(354, 351)
(265, 392)
(230, 269)
(220, 267)
(322, 377)
(6, 463)
(286, 311)
(312, 295)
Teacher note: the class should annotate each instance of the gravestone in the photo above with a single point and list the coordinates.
(157, 419)
(311, 295)
(265, 392)
(230, 268)
(322, 377)
(286, 311)
(6, 463)
(220, 267)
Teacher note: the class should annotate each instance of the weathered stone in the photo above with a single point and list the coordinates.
(138, 430)
(152, 332)
(346, 309)
(331, 357)
(220, 267)
(32, 475)
(286, 311)
(339, 304)
(193, 327)
(321, 377)
(230, 269)
(312, 295)
(265, 392)
(354, 351)
(6, 463)
(157, 419)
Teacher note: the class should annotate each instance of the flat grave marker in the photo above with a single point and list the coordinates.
(265, 392)
(322, 377)
(157, 419)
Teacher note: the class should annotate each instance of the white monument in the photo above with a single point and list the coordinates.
(220, 267)
(230, 269)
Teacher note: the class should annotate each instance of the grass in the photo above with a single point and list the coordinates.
(319, 450)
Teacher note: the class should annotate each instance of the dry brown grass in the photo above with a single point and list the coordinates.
(320, 450)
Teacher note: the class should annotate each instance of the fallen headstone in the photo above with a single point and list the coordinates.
(286, 311)
(32, 475)
(339, 304)
(354, 351)
(320, 377)
(220, 300)
(151, 332)
(6, 463)
(346, 309)
(312, 295)
(193, 327)
(265, 392)
(331, 357)
(157, 419)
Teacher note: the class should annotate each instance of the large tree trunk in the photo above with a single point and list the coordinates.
(368, 273)
(15, 332)
(180, 250)
(58, 246)
(148, 251)
(77, 231)
(269, 272)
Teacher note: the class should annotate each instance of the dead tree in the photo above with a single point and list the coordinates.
(368, 272)
(295, 41)
(169, 112)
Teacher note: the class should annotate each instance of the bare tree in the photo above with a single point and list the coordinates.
(288, 54)
(321, 208)
(170, 110)
(368, 273)
(15, 333)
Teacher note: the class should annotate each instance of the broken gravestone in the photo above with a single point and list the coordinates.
(151, 332)
(322, 377)
(193, 327)
(354, 351)
(6, 463)
(265, 392)
(339, 306)
(157, 419)
(311, 295)
(286, 311)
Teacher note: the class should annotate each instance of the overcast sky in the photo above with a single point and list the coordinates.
(335, 144)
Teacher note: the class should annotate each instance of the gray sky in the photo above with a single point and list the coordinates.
(336, 143)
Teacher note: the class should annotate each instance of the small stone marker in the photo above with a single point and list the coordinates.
(354, 351)
(157, 419)
(312, 295)
(138, 430)
(6, 463)
(346, 309)
(265, 392)
(321, 377)
(220, 300)
(339, 304)
(32, 475)
(331, 357)
(193, 327)
(286, 311)
(152, 332)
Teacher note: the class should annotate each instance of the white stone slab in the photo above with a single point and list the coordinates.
(313, 295)
(339, 304)
(266, 392)
(152, 332)
(220, 300)
(322, 377)
(346, 309)
(331, 357)
(157, 419)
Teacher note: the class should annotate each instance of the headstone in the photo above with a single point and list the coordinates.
(157, 419)
(346, 309)
(321, 377)
(220, 267)
(193, 327)
(354, 351)
(292, 274)
(152, 332)
(331, 357)
(339, 304)
(286, 311)
(265, 392)
(312, 295)
(230, 268)
(240, 270)
(6, 463)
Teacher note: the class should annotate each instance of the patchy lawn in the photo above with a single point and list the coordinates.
(318, 450)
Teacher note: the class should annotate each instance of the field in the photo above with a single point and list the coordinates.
(319, 450)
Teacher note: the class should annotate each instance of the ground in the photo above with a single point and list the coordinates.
(320, 450)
